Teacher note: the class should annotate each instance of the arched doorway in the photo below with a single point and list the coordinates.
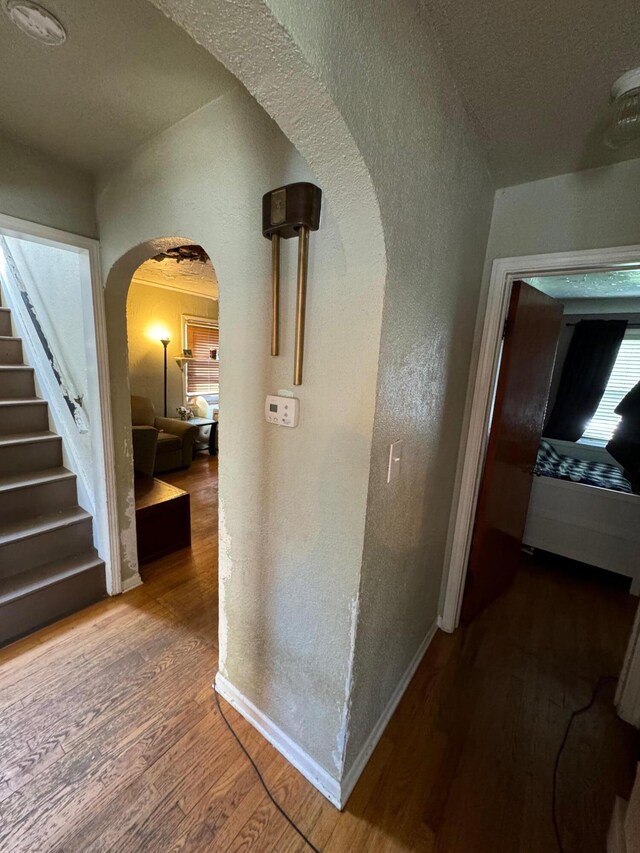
(174, 365)
(149, 299)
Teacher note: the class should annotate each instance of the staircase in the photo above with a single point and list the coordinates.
(48, 565)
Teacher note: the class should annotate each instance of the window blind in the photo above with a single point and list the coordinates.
(203, 373)
(625, 374)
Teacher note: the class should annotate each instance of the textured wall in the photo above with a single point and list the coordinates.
(152, 307)
(376, 64)
(435, 199)
(593, 209)
(583, 210)
(292, 501)
(40, 189)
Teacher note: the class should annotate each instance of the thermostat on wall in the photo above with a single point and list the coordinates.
(282, 411)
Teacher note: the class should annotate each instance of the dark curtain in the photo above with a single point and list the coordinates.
(625, 443)
(592, 353)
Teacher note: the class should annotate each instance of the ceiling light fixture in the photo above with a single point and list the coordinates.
(624, 121)
(35, 21)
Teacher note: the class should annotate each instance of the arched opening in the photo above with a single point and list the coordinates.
(173, 370)
(161, 297)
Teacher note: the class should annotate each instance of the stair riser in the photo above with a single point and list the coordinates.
(25, 554)
(23, 418)
(5, 323)
(19, 504)
(11, 351)
(36, 456)
(52, 602)
(16, 384)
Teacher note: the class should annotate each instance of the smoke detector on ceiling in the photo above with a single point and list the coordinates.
(35, 21)
(624, 112)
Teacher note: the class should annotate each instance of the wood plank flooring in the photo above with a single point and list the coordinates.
(110, 739)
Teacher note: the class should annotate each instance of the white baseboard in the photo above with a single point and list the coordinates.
(293, 752)
(131, 583)
(336, 792)
(355, 771)
(444, 625)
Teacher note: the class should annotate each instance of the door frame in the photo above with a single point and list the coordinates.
(488, 340)
(106, 518)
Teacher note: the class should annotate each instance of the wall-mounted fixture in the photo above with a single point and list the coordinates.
(35, 21)
(624, 120)
(290, 211)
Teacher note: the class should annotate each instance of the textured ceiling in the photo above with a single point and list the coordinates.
(536, 77)
(186, 276)
(124, 74)
(593, 285)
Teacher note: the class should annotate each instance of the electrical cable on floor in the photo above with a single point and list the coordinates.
(259, 775)
(594, 695)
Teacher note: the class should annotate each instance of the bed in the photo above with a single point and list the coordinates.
(585, 510)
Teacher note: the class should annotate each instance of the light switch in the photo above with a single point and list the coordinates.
(395, 458)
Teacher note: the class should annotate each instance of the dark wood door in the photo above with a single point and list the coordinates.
(528, 354)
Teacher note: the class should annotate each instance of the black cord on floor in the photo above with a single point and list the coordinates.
(259, 775)
(594, 695)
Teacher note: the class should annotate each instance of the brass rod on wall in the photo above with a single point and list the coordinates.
(275, 294)
(287, 212)
(303, 262)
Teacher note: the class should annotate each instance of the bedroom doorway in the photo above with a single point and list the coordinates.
(594, 523)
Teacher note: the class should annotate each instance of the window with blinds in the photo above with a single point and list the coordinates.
(203, 373)
(625, 374)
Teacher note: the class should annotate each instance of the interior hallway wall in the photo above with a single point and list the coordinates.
(596, 208)
(40, 189)
(377, 64)
(435, 197)
(290, 554)
(148, 309)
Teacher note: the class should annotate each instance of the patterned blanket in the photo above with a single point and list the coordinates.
(550, 463)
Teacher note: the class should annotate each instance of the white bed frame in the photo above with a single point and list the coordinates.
(600, 527)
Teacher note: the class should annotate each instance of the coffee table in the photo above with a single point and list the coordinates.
(163, 518)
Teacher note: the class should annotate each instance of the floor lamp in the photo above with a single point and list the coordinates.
(165, 343)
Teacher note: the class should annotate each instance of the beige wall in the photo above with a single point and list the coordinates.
(150, 309)
(435, 197)
(40, 189)
(339, 618)
(290, 557)
(593, 209)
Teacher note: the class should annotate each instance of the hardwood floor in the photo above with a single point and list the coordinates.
(111, 740)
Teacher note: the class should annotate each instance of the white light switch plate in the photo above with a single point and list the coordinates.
(282, 411)
(395, 458)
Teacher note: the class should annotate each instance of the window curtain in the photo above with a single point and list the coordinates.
(590, 359)
(625, 444)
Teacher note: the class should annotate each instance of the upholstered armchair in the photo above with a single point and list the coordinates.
(145, 442)
(175, 438)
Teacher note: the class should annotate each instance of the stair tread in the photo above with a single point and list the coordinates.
(18, 586)
(25, 479)
(27, 437)
(27, 527)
